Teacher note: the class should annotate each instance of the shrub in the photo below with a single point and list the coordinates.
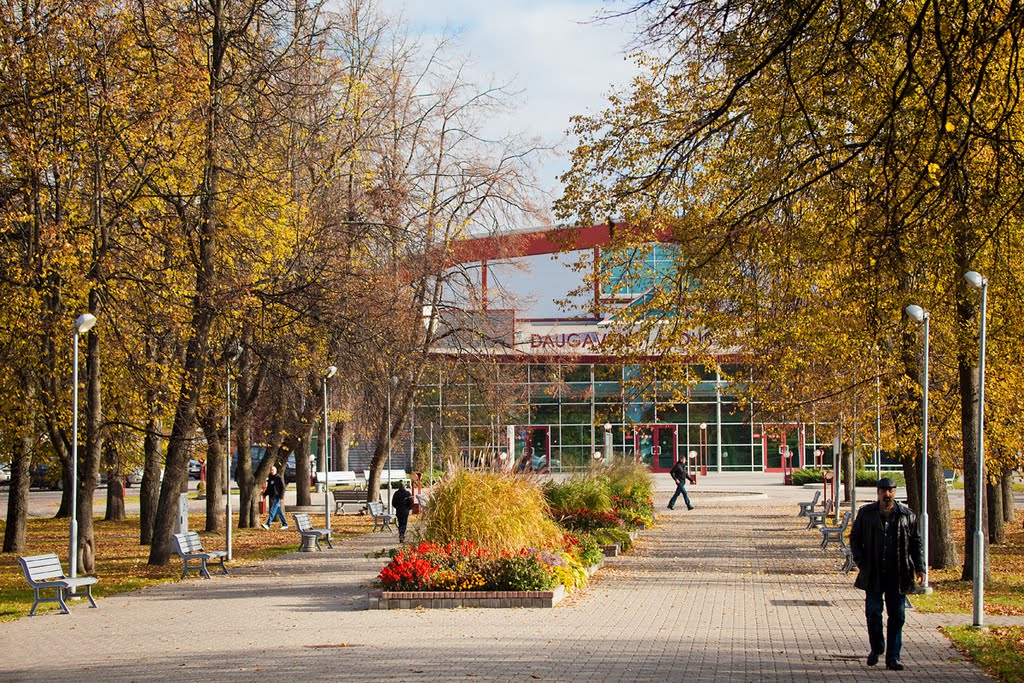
(583, 519)
(864, 477)
(630, 481)
(582, 491)
(584, 548)
(522, 573)
(807, 476)
(498, 512)
(611, 536)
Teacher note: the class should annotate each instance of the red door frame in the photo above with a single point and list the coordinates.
(655, 447)
(528, 448)
(796, 460)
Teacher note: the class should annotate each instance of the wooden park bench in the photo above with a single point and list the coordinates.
(817, 517)
(950, 477)
(44, 572)
(310, 536)
(835, 533)
(809, 507)
(343, 497)
(189, 548)
(381, 519)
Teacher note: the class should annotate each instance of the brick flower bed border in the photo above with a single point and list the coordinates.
(379, 599)
(450, 599)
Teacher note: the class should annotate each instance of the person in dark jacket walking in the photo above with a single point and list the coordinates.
(679, 476)
(886, 546)
(401, 503)
(275, 492)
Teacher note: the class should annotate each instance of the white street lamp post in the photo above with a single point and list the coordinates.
(608, 441)
(83, 324)
(331, 371)
(921, 316)
(979, 282)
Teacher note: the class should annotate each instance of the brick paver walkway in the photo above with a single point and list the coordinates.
(736, 590)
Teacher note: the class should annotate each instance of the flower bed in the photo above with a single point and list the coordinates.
(601, 509)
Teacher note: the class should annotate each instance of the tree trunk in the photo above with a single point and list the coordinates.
(247, 504)
(912, 477)
(849, 474)
(215, 445)
(21, 462)
(996, 528)
(90, 473)
(302, 473)
(149, 489)
(941, 545)
(115, 483)
(344, 441)
(969, 429)
(1008, 502)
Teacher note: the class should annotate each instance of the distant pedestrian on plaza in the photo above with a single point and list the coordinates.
(275, 492)
(886, 546)
(679, 475)
(401, 503)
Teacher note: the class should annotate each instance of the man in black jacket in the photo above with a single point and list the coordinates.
(886, 546)
(679, 476)
(401, 503)
(275, 492)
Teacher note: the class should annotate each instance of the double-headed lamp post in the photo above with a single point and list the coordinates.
(332, 370)
(83, 324)
(921, 316)
(979, 282)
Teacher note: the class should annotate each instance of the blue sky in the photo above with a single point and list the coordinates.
(552, 51)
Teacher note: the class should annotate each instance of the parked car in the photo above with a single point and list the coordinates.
(194, 468)
(45, 476)
(5, 474)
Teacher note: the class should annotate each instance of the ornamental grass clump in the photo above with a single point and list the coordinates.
(582, 491)
(500, 513)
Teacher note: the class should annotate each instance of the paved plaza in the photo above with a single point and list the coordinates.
(736, 590)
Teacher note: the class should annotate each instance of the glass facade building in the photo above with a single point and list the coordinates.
(536, 384)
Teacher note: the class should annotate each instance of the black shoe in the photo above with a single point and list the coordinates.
(690, 508)
(872, 659)
(671, 508)
(894, 664)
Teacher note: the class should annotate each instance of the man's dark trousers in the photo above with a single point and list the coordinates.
(895, 606)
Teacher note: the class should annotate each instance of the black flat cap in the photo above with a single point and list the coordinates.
(885, 483)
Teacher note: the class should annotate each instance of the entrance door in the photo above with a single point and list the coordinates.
(780, 442)
(533, 448)
(656, 446)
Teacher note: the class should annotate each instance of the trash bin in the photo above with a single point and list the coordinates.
(263, 505)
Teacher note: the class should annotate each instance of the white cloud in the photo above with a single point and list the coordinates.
(563, 62)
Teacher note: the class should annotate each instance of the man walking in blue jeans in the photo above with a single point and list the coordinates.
(679, 476)
(886, 546)
(275, 491)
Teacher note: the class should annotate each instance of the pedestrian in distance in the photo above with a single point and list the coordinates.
(274, 491)
(401, 503)
(886, 547)
(680, 474)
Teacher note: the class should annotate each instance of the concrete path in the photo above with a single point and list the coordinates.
(736, 590)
